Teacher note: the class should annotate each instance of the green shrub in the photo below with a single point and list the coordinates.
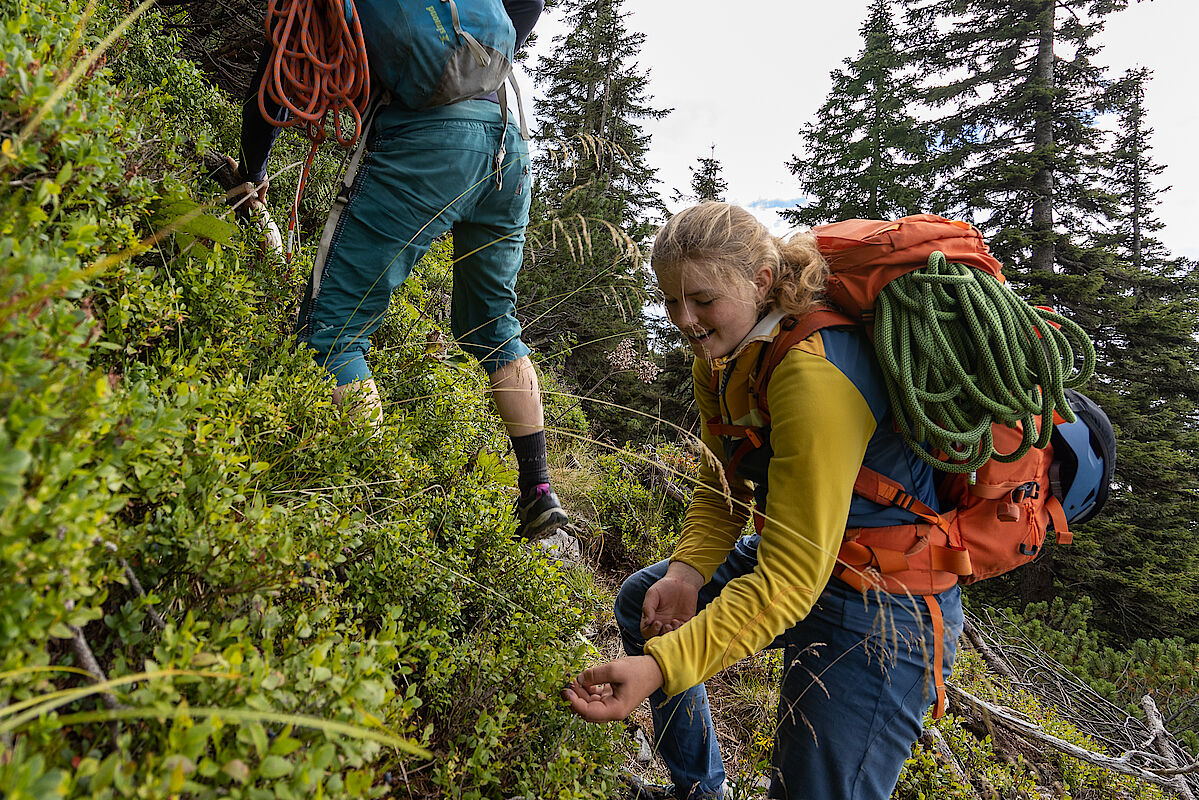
(287, 602)
(639, 523)
(1007, 770)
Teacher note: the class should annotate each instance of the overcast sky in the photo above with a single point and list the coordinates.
(747, 82)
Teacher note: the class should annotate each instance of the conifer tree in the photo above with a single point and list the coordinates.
(707, 181)
(1018, 147)
(595, 202)
(865, 155)
(1140, 559)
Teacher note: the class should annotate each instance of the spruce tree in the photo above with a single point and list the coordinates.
(595, 203)
(1139, 559)
(865, 155)
(707, 181)
(1018, 147)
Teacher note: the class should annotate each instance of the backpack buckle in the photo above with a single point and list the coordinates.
(1030, 490)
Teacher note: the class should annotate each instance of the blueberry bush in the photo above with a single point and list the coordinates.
(213, 582)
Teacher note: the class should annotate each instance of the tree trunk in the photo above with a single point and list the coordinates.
(1035, 581)
(1043, 255)
(1137, 115)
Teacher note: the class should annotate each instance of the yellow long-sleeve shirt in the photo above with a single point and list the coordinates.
(820, 426)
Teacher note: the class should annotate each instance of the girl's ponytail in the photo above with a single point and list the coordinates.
(800, 275)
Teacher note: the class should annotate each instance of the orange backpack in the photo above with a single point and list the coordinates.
(998, 517)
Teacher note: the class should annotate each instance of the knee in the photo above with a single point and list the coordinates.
(631, 597)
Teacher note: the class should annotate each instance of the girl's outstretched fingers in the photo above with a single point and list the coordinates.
(611, 691)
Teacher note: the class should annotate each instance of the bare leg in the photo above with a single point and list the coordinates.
(363, 399)
(517, 396)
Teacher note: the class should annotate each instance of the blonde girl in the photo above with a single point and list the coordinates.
(857, 676)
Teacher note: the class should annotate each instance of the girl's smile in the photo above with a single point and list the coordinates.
(714, 315)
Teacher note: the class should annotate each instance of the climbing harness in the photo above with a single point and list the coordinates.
(317, 72)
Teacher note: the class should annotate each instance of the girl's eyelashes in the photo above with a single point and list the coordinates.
(707, 301)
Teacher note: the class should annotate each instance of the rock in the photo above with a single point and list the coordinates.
(562, 548)
(645, 753)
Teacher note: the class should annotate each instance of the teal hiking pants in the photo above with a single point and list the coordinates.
(426, 173)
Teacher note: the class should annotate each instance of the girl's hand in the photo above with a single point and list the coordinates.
(671, 601)
(611, 691)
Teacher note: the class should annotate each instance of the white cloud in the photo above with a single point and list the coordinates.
(748, 81)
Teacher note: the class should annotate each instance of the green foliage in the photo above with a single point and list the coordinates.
(996, 764)
(285, 601)
(639, 523)
(707, 181)
(1017, 140)
(583, 287)
(866, 156)
(1166, 669)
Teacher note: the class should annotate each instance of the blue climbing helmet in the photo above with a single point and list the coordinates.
(1084, 457)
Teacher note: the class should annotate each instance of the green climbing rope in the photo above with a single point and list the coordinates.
(961, 351)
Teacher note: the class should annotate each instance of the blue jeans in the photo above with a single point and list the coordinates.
(426, 172)
(855, 687)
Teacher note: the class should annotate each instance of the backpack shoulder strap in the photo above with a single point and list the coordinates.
(877, 487)
(794, 330)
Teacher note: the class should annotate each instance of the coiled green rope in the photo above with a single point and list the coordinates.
(960, 351)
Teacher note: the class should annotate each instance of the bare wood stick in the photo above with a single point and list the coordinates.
(1161, 743)
(1008, 719)
(993, 659)
(933, 738)
(657, 475)
(158, 621)
(87, 659)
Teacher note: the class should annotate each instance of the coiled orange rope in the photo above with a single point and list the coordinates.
(317, 70)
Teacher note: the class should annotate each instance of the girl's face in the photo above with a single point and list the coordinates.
(715, 315)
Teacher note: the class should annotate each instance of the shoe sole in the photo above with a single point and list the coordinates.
(549, 520)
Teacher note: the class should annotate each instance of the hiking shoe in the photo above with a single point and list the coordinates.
(639, 790)
(539, 512)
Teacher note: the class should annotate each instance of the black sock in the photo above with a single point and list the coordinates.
(530, 460)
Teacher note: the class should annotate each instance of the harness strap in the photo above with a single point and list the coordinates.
(477, 50)
(934, 611)
(859, 555)
(721, 428)
(994, 491)
(875, 486)
(333, 221)
(1058, 515)
(794, 330)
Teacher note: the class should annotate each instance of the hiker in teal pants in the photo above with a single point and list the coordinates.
(427, 173)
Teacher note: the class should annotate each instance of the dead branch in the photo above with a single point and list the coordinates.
(87, 660)
(1123, 764)
(1161, 743)
(994, 660)
(158, 621)
(656, 475)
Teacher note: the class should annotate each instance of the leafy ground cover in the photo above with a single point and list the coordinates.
(281, 600)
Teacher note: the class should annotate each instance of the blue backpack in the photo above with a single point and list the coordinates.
(431, 53)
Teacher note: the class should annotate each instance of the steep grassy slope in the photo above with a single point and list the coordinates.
(282, 601)
(286, 603)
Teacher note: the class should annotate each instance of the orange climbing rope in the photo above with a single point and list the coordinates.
(317, 70)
